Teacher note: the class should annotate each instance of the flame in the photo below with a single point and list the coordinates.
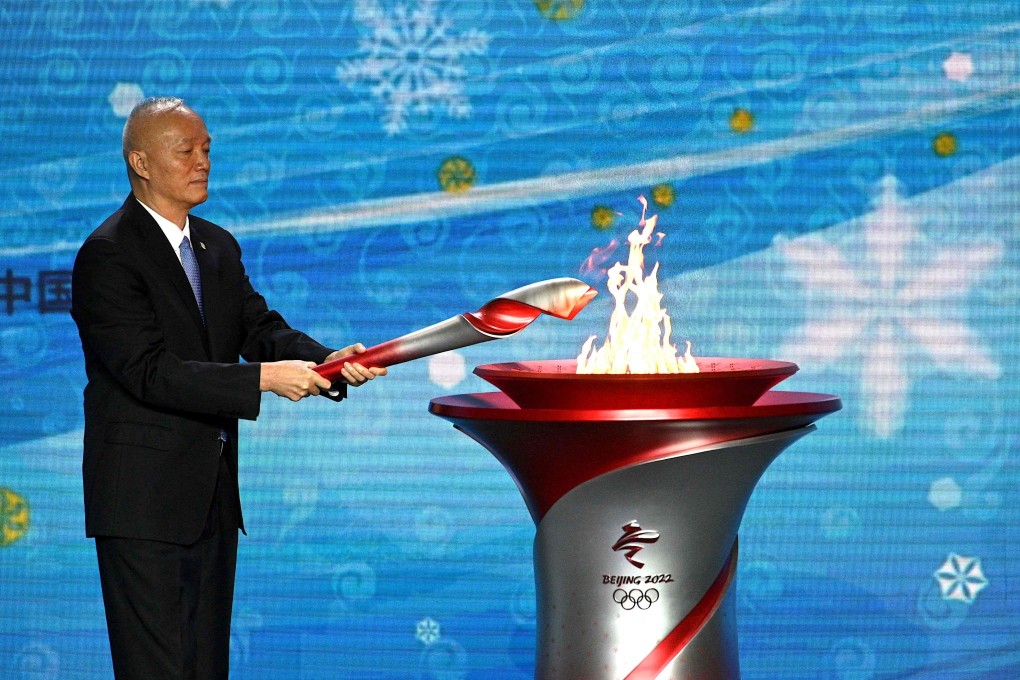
(598, 257)
(638, 341)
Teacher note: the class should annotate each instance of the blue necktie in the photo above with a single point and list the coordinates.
(191, 269)
(195, 279)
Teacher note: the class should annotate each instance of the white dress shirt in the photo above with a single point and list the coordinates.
(173, 233)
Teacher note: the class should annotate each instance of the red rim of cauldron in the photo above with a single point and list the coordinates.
(723, 381)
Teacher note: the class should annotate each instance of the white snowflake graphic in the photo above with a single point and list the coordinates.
(960, 578)
(427, 631)
(412, 61)
(123, 98)
(958, 66)
(888, 309)
(447, 369)
(945, 494)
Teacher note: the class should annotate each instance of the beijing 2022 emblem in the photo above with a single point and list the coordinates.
(629, 594)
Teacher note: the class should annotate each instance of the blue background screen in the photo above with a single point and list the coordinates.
(838, 184)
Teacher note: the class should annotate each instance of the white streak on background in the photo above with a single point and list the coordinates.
(529, 192)
(458, 146)
(411, 209)
(263, 128)
(78, 203)
(543, 65)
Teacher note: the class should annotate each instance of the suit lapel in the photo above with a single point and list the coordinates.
(162, 254)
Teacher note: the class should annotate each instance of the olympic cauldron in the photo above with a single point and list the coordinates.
(637, 485)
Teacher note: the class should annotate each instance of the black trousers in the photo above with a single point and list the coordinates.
(168, 606)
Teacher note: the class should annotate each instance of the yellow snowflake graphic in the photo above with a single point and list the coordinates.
(602, 217)
(456, 174)
(559, 10)
(742, 121)
(664, 195)
(13, 517)
(945, 144)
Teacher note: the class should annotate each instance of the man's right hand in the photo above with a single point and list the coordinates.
(294, 379)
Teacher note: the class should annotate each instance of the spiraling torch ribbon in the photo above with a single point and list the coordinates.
(501, 317)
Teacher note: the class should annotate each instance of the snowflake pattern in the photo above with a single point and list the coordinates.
(447, 369)
(945, 494)
(124, 97)
(961, 578)
(958, 66)
(889, 310)
(412, 61)
(427, 631)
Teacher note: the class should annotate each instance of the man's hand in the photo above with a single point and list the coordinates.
(355, 374)
(294, 380)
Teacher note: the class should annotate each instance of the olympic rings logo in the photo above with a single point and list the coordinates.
(642, 599)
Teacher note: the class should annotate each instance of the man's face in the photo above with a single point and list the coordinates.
(177, 155)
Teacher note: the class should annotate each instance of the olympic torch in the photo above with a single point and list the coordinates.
(501, 317)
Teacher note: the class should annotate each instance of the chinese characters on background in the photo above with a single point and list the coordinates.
(52, 291)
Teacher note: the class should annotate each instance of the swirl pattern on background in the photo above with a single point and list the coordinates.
(837, 182)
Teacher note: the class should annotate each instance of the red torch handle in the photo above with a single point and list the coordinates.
(377, 356)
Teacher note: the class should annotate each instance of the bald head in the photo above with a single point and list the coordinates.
(166, 150)
(140, 124)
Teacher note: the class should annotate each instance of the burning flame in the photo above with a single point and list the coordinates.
(638, 341)
(598, 257)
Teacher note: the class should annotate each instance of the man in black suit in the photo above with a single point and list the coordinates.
(164, 310)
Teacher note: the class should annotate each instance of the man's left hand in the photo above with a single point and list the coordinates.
(355, 374)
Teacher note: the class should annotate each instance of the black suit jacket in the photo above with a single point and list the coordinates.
(161, 386)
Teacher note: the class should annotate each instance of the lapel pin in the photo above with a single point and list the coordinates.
(202, 245)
